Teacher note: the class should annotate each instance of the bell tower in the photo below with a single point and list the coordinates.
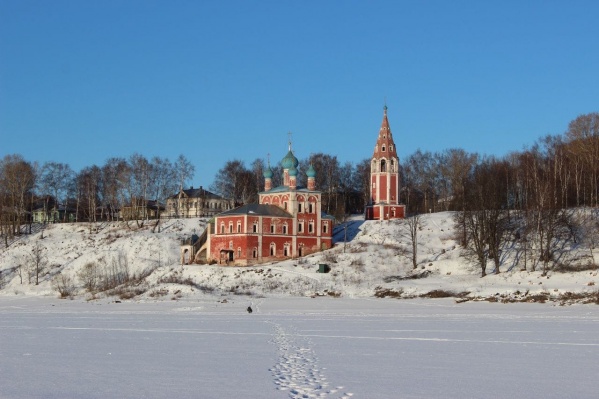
(384, 177)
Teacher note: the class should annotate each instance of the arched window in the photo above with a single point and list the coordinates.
(324, 227)
(273, 249)
(255, 228)
(383, 148)
(230, 227)
(285, 228)
(383, 166)
(239, 227)
(255, 253)
(286, 250)
(222, 228)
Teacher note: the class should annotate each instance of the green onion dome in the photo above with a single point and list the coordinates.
(268, 173)
(290, 161)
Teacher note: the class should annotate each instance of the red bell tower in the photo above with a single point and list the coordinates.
(384, 177)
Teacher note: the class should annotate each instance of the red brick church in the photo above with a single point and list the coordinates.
(287, 222)
(384, 178)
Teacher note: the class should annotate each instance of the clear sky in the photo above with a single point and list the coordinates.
(82, 81)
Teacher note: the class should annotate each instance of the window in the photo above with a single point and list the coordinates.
(286, 250)
(230, 227)
(222, 228)
(311, 210)
(383, 148)
(255, 228)
(300, 227)
(273, 249)
(239, 227)
(324, 227)
(311, 227)
(299, 207)
(383, 166)
(391, 147)
(272, 229)
(255, 253)
(285, 229)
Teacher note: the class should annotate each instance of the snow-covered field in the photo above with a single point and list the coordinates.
(296, 348)
(184, 332)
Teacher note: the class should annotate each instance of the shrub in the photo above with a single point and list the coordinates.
(89, 276)
(381, 292)
(444, 294)
(64, 285)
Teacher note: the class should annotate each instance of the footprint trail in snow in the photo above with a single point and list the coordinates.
(297, 370)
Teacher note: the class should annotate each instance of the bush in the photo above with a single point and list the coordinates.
(89, 276)
(444, 294)
(381, 292)
(64, 285)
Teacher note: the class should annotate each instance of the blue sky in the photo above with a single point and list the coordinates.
(82, 81)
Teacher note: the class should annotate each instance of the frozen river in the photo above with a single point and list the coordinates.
(298, 348)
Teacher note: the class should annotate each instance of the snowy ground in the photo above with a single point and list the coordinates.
(373, 258)
(296, 348)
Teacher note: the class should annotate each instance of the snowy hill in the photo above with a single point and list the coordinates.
(373, 262)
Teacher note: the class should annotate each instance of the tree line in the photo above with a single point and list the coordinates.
(557, 172)
(94, 193)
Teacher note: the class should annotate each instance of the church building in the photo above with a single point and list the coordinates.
(287, 222)
(384, 178)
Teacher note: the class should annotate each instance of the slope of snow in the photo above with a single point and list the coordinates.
(372, 260)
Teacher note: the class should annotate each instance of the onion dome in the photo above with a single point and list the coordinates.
(268, 173)
(311, 172)
(293, 171)
(290, 161)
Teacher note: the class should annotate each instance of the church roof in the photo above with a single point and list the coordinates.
(285, 189)
(385, 147)
(258, 210)
(197, 193)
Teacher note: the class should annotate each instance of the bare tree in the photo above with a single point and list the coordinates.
(583, 134)
(88, 183)
(114, 181)
(412, 225)
(184, 170)
(57, 177)
(17, 179)
(234, 181)
(361, 179)
(38, 264)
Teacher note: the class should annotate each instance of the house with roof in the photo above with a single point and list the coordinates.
(287, 222)
(195, 202)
